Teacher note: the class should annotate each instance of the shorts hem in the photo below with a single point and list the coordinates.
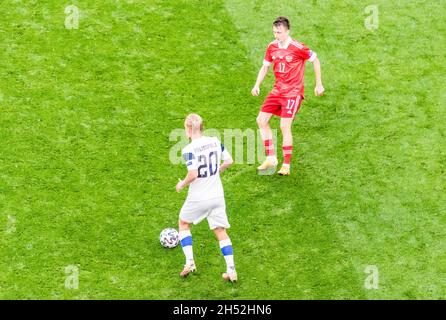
(215, 227)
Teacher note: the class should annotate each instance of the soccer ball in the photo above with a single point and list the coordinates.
(169, 238)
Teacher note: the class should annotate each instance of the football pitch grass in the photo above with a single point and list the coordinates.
(86, 184)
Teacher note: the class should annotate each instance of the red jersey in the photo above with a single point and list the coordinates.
(289, 65)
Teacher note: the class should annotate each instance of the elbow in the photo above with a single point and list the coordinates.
(264, 70)
(229, 162)
(193, 175)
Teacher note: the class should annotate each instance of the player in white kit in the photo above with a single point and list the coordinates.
(205, 199)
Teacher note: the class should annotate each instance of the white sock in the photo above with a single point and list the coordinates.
(186, 243)
(226, 250)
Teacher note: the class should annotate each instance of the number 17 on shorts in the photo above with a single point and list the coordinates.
(292, 107)
(281, 106)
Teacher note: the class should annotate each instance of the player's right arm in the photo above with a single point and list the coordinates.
(192, 170)
(190, 177)
(262, 73)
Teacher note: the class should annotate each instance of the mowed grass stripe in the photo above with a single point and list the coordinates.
(317, 264)
(75, 151)
(377, 141)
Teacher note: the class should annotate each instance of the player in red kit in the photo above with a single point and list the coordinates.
(288, 57)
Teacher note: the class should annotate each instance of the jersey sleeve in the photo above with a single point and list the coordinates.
(190, 158)
(305, 53)
(225, 155)
(268, 57)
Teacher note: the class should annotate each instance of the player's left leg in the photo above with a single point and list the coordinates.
(186, 244)
(226, 250)
(287, 146)
(289, 110)
(218, 222)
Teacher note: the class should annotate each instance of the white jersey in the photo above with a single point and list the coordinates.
(205, 154)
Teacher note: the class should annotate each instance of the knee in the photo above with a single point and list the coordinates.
(285, 128)
(182, 225)
(220, 233)
(262, 122)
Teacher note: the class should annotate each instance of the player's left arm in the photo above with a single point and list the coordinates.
(226, 163)
(227, 159)
(319, 89)
(308, 55)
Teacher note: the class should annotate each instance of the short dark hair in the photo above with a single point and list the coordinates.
(282, 21)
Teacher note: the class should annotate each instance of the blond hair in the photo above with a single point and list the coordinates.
(195, 122)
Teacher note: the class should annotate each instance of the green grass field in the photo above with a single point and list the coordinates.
(85, 176)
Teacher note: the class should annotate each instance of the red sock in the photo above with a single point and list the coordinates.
(287, 150)
(269, 147)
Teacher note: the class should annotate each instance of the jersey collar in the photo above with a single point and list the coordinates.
(287, 43)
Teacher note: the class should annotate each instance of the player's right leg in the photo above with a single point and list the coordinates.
(192, 212)
(186, 244)
(270, 162)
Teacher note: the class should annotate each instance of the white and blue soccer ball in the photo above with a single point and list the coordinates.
(169, 238)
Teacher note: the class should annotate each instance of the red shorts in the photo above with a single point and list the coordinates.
(282, 107)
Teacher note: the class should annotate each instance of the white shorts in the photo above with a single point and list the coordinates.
(213, 209)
